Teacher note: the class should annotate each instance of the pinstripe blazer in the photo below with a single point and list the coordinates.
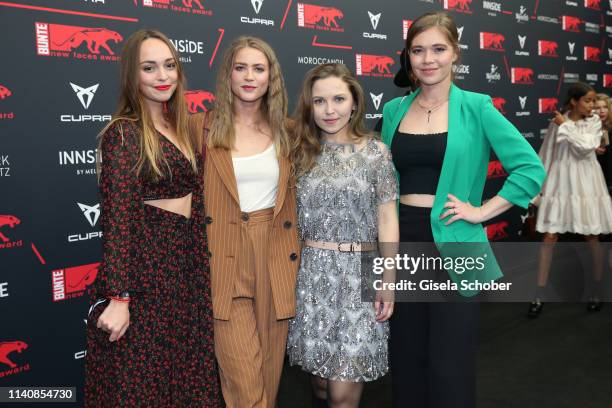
(223, 218)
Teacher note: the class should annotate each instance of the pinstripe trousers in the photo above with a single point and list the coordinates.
(250, 346)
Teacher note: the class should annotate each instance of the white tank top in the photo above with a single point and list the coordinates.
(257, 179)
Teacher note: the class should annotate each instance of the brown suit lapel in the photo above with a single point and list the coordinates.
(284, 169)
(222, 160)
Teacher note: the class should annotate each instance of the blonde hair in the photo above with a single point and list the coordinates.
(274, 104)
(442, 22)
(132, 107)
(608, 121)
(307, 135)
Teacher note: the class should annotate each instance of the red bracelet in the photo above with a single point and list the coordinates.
(120, 299)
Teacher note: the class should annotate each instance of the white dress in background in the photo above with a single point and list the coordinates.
(574, 197)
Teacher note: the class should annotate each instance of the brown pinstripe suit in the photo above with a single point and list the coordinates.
(250, 333)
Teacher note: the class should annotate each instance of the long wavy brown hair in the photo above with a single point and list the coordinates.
(132, 106)
(274, 104)
(306, 133)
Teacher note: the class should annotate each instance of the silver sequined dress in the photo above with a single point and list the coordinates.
(334, 334)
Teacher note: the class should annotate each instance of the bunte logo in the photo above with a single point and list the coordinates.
(607, 80)
(7, 221)
(491, 41)
(195, 100)
(77, 42)
(462, 6)
(5, 92)
(311, 16)
(496, 170)
(499, 104)
(591, 53)
(593, 4)
(547, 105)
(374, 65)
(569, 23)
(547, 48)
(8, 347)
(522, 76)
(497, 231)
(71, 282)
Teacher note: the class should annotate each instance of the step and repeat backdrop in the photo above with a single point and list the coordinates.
(59, 86)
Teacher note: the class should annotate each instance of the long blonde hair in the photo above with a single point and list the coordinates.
(274, 104)
(132, 107)
(307, 135)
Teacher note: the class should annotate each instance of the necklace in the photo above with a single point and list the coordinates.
(433, 108)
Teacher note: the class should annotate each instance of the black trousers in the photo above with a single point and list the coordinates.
(432, 345)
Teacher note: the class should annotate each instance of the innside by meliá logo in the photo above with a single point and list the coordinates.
(10, 352)
(8, 222)
(79, 159)
(319, 17)
(178, 6)
(76, 42)
(5, 93)
(68, 283)
(197, 100)
(374, 65)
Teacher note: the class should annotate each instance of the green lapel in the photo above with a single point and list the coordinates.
(454, 148)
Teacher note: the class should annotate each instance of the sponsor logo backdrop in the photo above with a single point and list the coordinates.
(58, 87)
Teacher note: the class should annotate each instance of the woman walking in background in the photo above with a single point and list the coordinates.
(575, 196)
(149, 337)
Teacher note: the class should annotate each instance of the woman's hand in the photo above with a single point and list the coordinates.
(559, 118)
(115, 319)
(383, 310)
(461, 211)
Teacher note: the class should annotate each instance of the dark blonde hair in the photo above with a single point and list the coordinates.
(132, 107)
(439, 20)
(306, 134)
(274, 104)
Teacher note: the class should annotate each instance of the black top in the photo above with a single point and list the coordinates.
(418, 159)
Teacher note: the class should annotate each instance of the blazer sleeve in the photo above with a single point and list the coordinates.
(122, 209)
(525, 171)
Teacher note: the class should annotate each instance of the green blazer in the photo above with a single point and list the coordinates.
(474, 127)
